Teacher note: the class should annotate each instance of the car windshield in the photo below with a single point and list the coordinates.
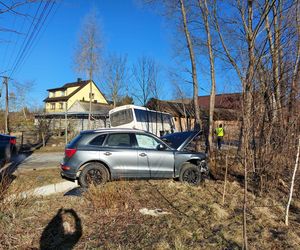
(176, 140)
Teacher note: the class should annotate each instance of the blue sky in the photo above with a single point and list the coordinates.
(127, 28)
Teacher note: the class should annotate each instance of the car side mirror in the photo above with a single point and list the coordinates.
(161, 147)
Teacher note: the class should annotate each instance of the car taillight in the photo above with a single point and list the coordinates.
(13, 141)
(64, 167)
(69, 152)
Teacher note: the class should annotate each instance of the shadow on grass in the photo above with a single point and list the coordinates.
(77, 191)
(63, 231)
(6, 173)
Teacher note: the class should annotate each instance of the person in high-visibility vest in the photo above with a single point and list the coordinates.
(220, 134)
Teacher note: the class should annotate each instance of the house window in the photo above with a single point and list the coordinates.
(52, 106)
(61, 105)
(62, 93)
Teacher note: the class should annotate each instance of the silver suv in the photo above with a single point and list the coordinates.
(98, 156)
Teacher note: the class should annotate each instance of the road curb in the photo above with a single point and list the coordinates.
(46, 190)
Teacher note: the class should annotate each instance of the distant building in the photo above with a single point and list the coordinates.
(227, 112)
(70, 104)
(62, 98)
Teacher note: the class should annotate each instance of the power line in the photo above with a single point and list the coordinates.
(7, 45)
(35, 39)
(30, 36)
(13, 50)
(27, 39)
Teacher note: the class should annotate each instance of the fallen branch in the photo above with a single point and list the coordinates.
(292, 186)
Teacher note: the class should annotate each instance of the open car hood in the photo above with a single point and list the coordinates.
(179, 140)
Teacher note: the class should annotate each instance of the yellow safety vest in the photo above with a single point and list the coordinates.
(220, 131)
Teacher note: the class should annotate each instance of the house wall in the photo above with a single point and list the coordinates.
(57, 107)
(183, 124)
(84, 94)
(71, 89)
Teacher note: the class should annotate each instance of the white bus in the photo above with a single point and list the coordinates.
(131, 116)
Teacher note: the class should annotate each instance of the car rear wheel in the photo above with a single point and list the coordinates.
(190, 174)
(93, 174)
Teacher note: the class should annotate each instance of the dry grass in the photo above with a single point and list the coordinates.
(58, 148)
(109, 218)
(35, 178)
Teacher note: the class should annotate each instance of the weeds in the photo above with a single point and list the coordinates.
(111, 219)
(111, 196)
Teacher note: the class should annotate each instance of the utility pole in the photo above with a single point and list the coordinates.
(90, 104)
(66, 123)
(5, 82)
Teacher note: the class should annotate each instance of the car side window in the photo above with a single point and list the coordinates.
(118, 140)
(98, 140)
(145, 141)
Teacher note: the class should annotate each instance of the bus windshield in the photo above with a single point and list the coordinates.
(121, 117)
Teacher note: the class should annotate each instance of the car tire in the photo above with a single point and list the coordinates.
(190, 174)
(93, 174)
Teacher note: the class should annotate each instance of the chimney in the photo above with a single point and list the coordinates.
(79, 80)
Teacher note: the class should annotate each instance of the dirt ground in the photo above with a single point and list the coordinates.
(109, 217)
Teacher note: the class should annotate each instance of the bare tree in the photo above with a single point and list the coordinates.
(145, 79)
(43, 127)
(206, 17)
(116, 76)
(295, 75)
(22, 91)
(193, 63)
(89, 52)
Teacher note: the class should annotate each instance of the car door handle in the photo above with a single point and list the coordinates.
(142, 154)
(107, 153)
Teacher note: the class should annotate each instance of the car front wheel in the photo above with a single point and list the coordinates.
(93, 174)
(190, 174)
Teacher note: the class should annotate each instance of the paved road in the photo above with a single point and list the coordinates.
(34, 161)
(41, 160)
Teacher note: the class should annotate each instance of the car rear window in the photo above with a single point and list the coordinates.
(98, 141)
(73, 143)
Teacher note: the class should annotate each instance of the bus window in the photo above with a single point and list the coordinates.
(121, 117)
(141, 115)
(166, 118)
(156, 117)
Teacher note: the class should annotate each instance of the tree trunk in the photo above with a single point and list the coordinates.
(194, 68)
(204, 10)
(247, 106)
(225, 179)
(43, 139)
(24, 113)
(295, 83)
